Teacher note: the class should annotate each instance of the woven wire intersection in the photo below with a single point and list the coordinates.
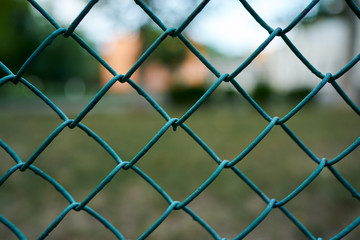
(174, 123)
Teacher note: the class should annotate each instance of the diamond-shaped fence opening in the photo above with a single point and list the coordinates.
(233, 198)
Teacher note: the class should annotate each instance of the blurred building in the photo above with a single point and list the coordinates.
(122, 53)
(324, 44)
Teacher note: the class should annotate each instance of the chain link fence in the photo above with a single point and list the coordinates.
(74, 205)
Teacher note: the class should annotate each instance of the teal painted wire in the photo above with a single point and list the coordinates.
(252, 102)
(202, 223)
(151, 143)
(223, 165)
(354, 7)
(47, 42)
(250, 184)
(10, 172)
(80, 17)
(300, 143)
(201, 57)
(151, 14)
(56, 222)
(159, 221)
(203, 186)
(257, 221)
(255, 142)
(299, 17)
(93, 53)
(255, 53)
(347, 67)
(100, 186)
(73, 35)
(54, 183)
(347, 230)
(45, 144)
(5, 69)
(101, 142)
(150, 100)
(45, 99)
(91, 212)
(147, 53)
(10, 152)
(201, 143)
(42, 174)
(37, 92)
(194, 216)
(344, 182)
(191, 17)
(297, 223)
(202, 99)
(6, 79)
(105, 222)
(94, 101)
(306, 99)
(13, 228)
(153, 184)
(347, 151)
(44, 13)
(256, 16)
(301, 57)
(346, 98)
(303, 185)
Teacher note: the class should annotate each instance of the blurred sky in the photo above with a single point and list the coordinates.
(224, 25)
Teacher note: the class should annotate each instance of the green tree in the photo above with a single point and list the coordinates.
(17, 38)
(170, 53)
(22, 31)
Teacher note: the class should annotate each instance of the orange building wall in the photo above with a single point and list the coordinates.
(122, 54)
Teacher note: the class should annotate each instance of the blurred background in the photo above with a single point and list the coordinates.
(225, 34)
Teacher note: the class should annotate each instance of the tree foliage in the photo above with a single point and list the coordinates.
(17, 36)
(171, 52)
(22, 31)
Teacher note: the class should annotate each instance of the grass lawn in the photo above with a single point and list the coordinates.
(179, 165)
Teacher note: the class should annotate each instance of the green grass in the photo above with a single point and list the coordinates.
(277, 166)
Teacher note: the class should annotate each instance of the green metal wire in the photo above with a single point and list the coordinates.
(174, 123)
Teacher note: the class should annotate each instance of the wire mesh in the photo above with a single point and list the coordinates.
(174, 123)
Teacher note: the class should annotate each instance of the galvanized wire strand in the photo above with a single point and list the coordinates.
(174, 123)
